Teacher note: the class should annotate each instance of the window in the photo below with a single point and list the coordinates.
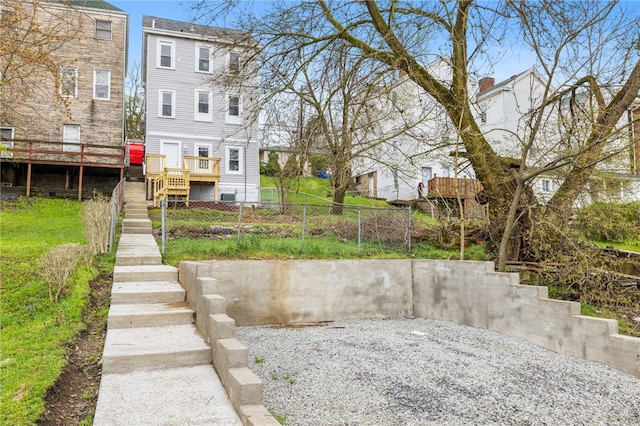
(103, 30)
(203, 59)
(166, 105)
(204, 165)
(483, 113)
(71, 137)
(69, 82)
(6, 139)
(102, 84)
(165, 54)
(234, 63)
(546, 185)
(234, 160)
(203, 105)
(234, 109)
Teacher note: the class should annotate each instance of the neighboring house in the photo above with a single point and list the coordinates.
(420, 151)
(504, 112)
(63, 131)
(284, 152)
(426, 152)
(201, 88)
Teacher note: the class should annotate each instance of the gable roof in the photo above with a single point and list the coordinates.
(191, 30)
(87, 4)
(498, 86)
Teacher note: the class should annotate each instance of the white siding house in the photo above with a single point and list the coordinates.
(421, 148)
(200, 87)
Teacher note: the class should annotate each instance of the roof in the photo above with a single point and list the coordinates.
(511, 79)
(191, 29)
(89, 4)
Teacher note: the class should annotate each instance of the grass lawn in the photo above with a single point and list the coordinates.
(35, 332)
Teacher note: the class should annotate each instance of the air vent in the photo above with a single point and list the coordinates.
(227, 197)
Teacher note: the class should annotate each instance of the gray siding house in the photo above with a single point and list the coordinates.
(201, 87)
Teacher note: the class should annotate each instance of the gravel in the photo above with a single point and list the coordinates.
(425, 372)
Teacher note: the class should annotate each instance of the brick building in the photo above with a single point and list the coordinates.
(62, 103)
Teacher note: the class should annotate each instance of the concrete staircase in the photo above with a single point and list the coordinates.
(156, 368)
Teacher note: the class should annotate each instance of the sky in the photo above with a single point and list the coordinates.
(514, 63)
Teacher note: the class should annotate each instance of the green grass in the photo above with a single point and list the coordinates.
(625, 325)
(319, 189)
(35, 332)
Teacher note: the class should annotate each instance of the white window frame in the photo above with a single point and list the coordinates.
(202, 166)
(210, 58)
(95, 85)
(200, 116)
(545, 185)
(68, 80)
(71, 137)
(233, 67)
(233, 119)
(7, 141)
(172, 46)
(103, 33)
(161, 94)
(227, 162)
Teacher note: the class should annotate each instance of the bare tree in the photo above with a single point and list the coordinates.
(589, 46)
(134, 104)
(32, 35)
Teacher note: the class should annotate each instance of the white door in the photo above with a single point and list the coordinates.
(172, 152)
(427, 174)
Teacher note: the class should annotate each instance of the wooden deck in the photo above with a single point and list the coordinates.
(171, 182)
(441, 187)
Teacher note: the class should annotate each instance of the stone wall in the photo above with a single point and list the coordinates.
(470, 293)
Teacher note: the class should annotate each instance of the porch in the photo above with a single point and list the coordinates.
(164, 182)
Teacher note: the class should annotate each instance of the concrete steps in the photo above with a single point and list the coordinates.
(149, 315)
(156, 368)
(130, 273)
(141, 292)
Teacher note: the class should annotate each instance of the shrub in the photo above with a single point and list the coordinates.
(57, 265)
(612, 222)
(273, 167)
(318, 162)
(96, 217)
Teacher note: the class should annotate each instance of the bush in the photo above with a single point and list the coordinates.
(273, 167)
(318, 162)
(96, 218)
(609, 222)
(57, 266)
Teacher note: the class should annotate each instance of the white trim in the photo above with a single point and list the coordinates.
(227, 158)
(233, 119)
(95, 72)
(217, 139)
(161, 93)
(172, 45)
(238, 63)
(72, 143)
(197, 115)
(197, 58)
(173, 142)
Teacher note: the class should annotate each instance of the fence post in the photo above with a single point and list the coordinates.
(163, 205)
(304, 223)
(239, 221)
(409, 227)
(359, 229)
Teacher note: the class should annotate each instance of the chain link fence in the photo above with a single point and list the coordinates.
(384, 227)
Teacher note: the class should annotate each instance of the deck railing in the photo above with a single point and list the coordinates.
(155, 164)
(171, 182)
(202, 167)
(446, 187)
(57, 152)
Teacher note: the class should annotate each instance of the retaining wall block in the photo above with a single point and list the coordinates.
(229, 354)
(221, 327)
(245, 388)
(257, 415)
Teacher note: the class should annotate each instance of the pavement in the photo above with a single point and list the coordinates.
(156, 368)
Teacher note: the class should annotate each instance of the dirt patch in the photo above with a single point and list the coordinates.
(73, 398)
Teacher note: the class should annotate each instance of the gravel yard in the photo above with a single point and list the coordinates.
(425, 372)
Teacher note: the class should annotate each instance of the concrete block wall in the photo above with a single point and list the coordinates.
(464, 292)
(229, 356)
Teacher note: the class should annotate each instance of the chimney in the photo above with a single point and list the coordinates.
(486, 83)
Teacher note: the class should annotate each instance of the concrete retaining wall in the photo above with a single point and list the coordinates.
(470, 293)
